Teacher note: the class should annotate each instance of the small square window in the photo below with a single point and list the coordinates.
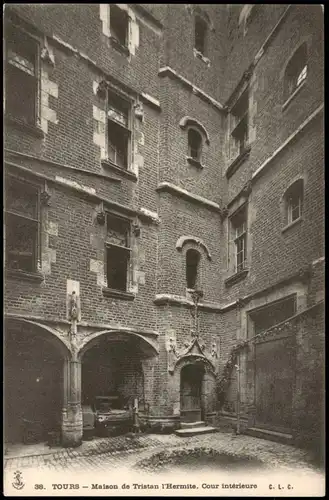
(119, 25)
(21, 73)
(21, 225)
(117, 253)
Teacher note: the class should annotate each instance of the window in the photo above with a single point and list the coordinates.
(241, 122)
(192, 263)
(200, 35)
(21, 77)
(22, 225)
(117, 252)
(294, 201)
(273, 314)
(194, 144)
(296, 71)
(118, 132)
(239, 237)
(119, 25)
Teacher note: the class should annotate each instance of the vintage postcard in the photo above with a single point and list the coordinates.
(164, 250)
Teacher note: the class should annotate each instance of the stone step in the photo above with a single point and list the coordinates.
(189, 425)
(195, 431)
(278, 437)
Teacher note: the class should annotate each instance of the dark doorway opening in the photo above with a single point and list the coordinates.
(33, 387)
(191, 382)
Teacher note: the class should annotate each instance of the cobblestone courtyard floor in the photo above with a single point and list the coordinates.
(123, 452)
(112, 467)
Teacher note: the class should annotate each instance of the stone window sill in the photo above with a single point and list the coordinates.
(292, 224)
(26, 127)
(117, 294)
(233, 167)
(199, 55)
(117, 45)
(293, 95)
(194, 162)
(18, 274)
(235, 278)
(109, 165)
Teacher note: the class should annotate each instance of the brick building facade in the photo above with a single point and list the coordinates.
(164, 214)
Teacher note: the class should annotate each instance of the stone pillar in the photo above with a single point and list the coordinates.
(72, 426)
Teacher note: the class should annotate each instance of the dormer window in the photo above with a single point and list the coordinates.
(194, 144)
(296, 71)
(200, 30)
(119, 24)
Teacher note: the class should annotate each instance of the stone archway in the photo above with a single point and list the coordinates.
(112, 370)
(34, 381)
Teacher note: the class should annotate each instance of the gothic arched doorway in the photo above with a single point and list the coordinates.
(191, 392)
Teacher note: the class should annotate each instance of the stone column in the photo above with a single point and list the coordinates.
(72, 426)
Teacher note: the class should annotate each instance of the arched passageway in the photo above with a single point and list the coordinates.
(33, 383)
(113, 378)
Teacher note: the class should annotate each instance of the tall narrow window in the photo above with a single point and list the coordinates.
(117, 252)
(296, 71)
(22, 225)
(119, 24)
(118, 132)
(294, 201)
(21, 78)
(192, 264)
(200, 29)
(241, 122)
(239, 236)
(194, 144)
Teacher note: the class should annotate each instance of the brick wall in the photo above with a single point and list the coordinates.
(74, 249)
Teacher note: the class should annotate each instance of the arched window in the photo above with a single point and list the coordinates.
(296, 71)
(200, 33)
(194, 144)
(294, 201)
(192, 264)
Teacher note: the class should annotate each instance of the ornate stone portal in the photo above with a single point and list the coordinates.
(193, 352)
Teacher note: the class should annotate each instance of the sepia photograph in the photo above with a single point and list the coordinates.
(164, 255)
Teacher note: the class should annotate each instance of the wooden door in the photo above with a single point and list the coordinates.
(191, 393)
(274, 383)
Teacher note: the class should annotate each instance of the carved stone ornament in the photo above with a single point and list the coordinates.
(45, 199)
(101, 218)
(192, 353)
(247, 188)
(102, 89)
(136, 229)
(47, 57)
(139, 111)
(224, 212)
(74, 313)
